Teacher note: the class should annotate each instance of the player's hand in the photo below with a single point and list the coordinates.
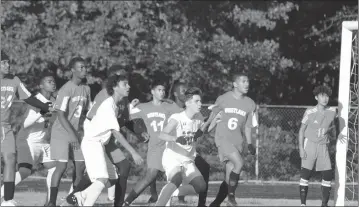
(146, 136)
(251, 149)
(302, 153)
(134, 102)
(137, 158)
(197, 135)
(182, 140)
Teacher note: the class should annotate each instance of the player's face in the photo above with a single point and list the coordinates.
(158, 92)
(322, 99)
(5, 67)
(123, 88)
(48, 84)
(79, 70)
(180, 92)
(195, 103)
(242, 84)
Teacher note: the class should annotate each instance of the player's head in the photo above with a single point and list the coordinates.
(158, 89)
(179, 90)
(5, 67)
(47, 82)
(193, 99)
(322, 94)
(117, 84)
(78, 67)
(240, 82)
(116, 69)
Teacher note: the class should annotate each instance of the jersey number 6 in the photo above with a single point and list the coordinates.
(232, 123)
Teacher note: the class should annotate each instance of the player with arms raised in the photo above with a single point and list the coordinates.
(313, 143)
(11, 86)
(98, 133)
(178, 157)
(72, 100)
(154, 114)
(237, 111)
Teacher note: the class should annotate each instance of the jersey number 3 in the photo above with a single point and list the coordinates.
(156, 125)
(232, 123)
(78, 111)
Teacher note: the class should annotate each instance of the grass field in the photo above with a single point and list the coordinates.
(32, 193)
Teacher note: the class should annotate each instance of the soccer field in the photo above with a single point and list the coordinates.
(32, 193)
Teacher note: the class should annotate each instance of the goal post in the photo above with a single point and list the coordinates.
(347, 105)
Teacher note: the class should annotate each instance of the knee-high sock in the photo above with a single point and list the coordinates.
(166, 194)
(18, 179)
(184, 190)
(93, 192)
(111, 192)
(48, 182)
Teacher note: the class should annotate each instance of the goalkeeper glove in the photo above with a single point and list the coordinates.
(197, 135)
(251, 149)
(43, 112)
(182, 140)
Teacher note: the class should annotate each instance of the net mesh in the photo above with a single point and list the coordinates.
(353, 127)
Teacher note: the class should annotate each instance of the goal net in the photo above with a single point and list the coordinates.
(346, 172)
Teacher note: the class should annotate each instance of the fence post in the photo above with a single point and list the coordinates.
(257, 145)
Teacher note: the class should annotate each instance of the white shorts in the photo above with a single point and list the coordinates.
(32, 153)
(98, 165)
(173, 163)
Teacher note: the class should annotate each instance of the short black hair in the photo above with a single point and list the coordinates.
(116, 67)
(238, 74)
(4, 56)
(45, 74)
(112, 82)
(322, 89)
(191, 92)
(178, 84)
(158, 82)
(74, 60)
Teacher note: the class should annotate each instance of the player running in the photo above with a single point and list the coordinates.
(11, 86)
(237, 112)
(181, 134)
(33, 138)
(72, 100)
(154, 113)
(97, 134)
(313, 143)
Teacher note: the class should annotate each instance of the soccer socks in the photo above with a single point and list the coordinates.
(9, 189)
(17, 181)
(233, 183)
(184, 190)
(48, 182)
(303, 190)
(111, 193)
(131, 197)
(166, 194)
(222, 194)
(53, 195)
(326, 187)
(93, 192)
(120, 190)
(153, 189)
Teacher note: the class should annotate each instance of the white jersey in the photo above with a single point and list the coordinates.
(185, 127)
(39, 131)
(105, 120)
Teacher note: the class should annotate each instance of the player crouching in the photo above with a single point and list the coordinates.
(178, 157)
(97, 134)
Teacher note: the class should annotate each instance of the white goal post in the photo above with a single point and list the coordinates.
(348, 29)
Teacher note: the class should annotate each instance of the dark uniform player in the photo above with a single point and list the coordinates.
(313, 143)
(11, 86)
(237, 112)
(72, 100)
(155, 114)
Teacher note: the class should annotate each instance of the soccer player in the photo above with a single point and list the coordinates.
(98, 133)
(180, 99)
(178, 157)
(313, 143)
(154, 113)
(72, 100)
(11, 86)
(32, 142)
(237, 112)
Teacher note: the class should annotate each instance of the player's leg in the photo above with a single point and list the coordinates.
(8, 151)
(307, 165)
(60, 153)
(112, 173)
(79, 166)
(153, 191)
(174, 177)
(50, 166)
(204, 169)
(324, 165)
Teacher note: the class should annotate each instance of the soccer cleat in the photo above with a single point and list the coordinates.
(302, 205)
(8, 203)
(153, 199)
(232, 200)
(79, 199)
(126, 204)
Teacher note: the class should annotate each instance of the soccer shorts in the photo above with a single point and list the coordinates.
(7, 140)
(317, 155)
(96, 160)
(32, 153)
(226, 148)
(173, 163)
(113, 152)
(62, 149)
(154, 157)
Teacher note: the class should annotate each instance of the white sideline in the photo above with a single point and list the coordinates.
(215, 182)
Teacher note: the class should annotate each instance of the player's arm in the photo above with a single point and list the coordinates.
(31, 118)
(251, 122)
(67, 126)
(302, 128)
(165, 134)
(121, 139)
